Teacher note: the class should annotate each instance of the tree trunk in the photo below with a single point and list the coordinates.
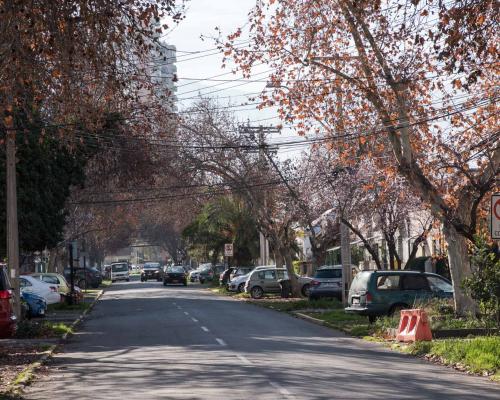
(296, 292)
(460, 268)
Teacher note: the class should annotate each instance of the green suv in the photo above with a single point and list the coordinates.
(376, 293)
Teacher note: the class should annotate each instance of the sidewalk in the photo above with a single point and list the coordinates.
(19, 357)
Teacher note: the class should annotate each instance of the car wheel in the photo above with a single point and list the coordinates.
(202, 281)
(372, 319)
(113, 281)
(241, 287)
(164, 283)
(305, 290)
(256, 292)
(128, 279)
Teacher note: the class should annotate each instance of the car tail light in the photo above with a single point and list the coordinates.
(53, 289)
(5, 294)
(315, 283)
(369, 297)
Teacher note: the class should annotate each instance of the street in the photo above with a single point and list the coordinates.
(146, 341)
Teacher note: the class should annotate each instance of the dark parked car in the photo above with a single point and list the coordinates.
(84, 277)
(7, 317)
(152, 270)
(376, 293)
(175, 274)
(327, 282)
(209, 273)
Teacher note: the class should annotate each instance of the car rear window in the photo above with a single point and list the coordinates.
(360, 281)
(328, 273)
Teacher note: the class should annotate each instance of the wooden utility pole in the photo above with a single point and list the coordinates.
(12, 224)
(345, 257)
(262, 132)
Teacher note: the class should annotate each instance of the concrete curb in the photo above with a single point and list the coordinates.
(25, 377)
(309, 318)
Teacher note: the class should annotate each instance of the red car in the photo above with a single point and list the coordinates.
(7, 317)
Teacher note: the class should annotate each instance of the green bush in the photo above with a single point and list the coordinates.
(484, 284)
(27, 329)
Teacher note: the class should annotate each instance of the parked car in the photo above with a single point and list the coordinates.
(376, 293)
(53, 278)
(208, 274)
(49, 292)
(237, 284)
(175, 274)
(262, 281)
(84, 277)
(7, 317)
(63, 286)
(120, 272)
(238, 271)
(152, 270)
(36, 306)
(194, 275)
(327, 282)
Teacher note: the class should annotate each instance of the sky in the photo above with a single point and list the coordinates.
(202, 17)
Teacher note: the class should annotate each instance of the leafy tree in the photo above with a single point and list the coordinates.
(224, 220)
(484, 284)
(46, 170)
(373, 83)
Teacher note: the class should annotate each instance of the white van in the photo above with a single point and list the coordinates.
(120, 272)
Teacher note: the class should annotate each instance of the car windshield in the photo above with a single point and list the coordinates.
(328, 273)
(438, 284)
(119, 267)
(151, 266)
(360, 281)
(175, 269)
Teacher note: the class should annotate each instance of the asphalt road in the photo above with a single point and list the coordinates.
(145, 341)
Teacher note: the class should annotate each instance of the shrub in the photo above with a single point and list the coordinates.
(484, 284)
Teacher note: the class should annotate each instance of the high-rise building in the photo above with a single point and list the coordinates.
(164, 74)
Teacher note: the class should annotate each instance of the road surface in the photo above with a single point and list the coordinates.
(144, 341)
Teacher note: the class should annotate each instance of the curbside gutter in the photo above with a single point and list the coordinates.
(25, 377)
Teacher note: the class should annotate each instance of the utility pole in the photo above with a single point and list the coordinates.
(12, 223)
(262, 132)
(345, 258)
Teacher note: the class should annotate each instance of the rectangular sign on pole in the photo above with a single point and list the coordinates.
(495, 216)
(228, 250)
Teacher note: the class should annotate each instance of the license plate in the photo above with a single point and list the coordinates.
(175, 281)
(42, 312)
(355, 301)
(330, 284)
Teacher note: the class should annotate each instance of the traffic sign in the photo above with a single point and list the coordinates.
(228, 250)
(495, 216)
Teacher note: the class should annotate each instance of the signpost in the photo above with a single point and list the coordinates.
(228, 250)
(495, 216)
